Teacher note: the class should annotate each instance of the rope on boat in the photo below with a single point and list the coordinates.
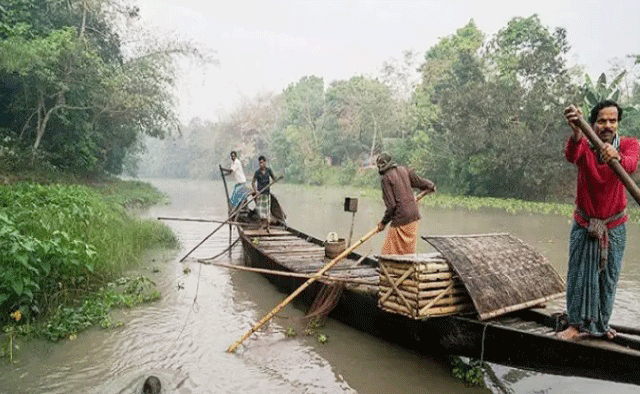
(488, 370)
(328, 296)
(210, 259)
(484, 335)
(194, 305)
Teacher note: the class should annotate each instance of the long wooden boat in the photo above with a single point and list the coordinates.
(524, 338)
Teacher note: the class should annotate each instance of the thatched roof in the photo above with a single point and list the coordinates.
(501, 273)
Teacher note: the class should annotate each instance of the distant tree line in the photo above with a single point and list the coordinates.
(84, 90)
(480, 116)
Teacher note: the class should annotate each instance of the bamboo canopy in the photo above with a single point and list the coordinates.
(501, 273)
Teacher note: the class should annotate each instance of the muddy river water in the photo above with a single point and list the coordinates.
(183, 337)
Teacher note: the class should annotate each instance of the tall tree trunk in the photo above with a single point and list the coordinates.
(84, 17)
(43, 119)
(375, 133)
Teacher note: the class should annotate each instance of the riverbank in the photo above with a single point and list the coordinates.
(66, 249)
(509, 205)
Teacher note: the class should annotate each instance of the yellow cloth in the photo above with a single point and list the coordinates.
(401, 239)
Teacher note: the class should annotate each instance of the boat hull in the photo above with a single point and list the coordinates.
(522, 339)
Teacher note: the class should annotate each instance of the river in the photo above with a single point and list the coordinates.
(183, 337)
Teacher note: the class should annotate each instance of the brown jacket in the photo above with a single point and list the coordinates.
(397, 183)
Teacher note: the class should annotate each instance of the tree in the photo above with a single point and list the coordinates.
(363, 108)
(82, 97)
(499, 128)
(441, 58)
(50, 68)
(304, 105)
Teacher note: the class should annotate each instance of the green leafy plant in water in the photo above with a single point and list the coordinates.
(33, 267)
(290, 332)
(312, 329)
(61, 241)
(470, 372)
(95, 310)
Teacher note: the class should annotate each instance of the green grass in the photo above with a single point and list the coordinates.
(63, 244)
(510, 205)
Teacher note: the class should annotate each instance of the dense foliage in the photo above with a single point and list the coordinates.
(481, 116)
(59, 240)
(79, 84)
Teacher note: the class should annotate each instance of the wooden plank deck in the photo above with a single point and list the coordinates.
(303, 256)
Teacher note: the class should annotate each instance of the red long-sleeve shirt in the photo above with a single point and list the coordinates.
(600, 193)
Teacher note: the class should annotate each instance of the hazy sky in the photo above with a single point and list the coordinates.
(267, 45)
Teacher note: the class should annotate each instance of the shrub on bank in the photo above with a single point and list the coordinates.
(60, 241)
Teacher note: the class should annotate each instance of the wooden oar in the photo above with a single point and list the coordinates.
(195, 220)
(226, 191)
(613, 163)
(244, 204)
(306, 284)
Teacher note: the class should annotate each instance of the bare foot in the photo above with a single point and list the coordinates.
(570, 334)
(610, 334)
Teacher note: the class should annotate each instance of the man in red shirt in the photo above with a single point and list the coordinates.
(401, 207)
(598, 235)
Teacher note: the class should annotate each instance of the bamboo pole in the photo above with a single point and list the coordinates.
(411, 284)
(197, 220)
(226, 191)
(299, 290)
(443, 275)
(626, 330)
(422, 294)
(393, 284)
(417, 305)
(245, 203)
(353, 219)
(306, 284)
(615, 165)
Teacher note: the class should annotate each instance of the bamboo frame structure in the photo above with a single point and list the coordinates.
(421, 286)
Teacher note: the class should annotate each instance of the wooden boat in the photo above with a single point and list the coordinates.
(522, 338)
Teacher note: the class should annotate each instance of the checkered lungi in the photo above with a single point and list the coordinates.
(591, 290)
(263, 206)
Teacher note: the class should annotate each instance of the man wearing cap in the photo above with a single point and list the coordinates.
(401, 211)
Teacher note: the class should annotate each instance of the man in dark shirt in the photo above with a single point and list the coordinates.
(261, 180)
(401, 206)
